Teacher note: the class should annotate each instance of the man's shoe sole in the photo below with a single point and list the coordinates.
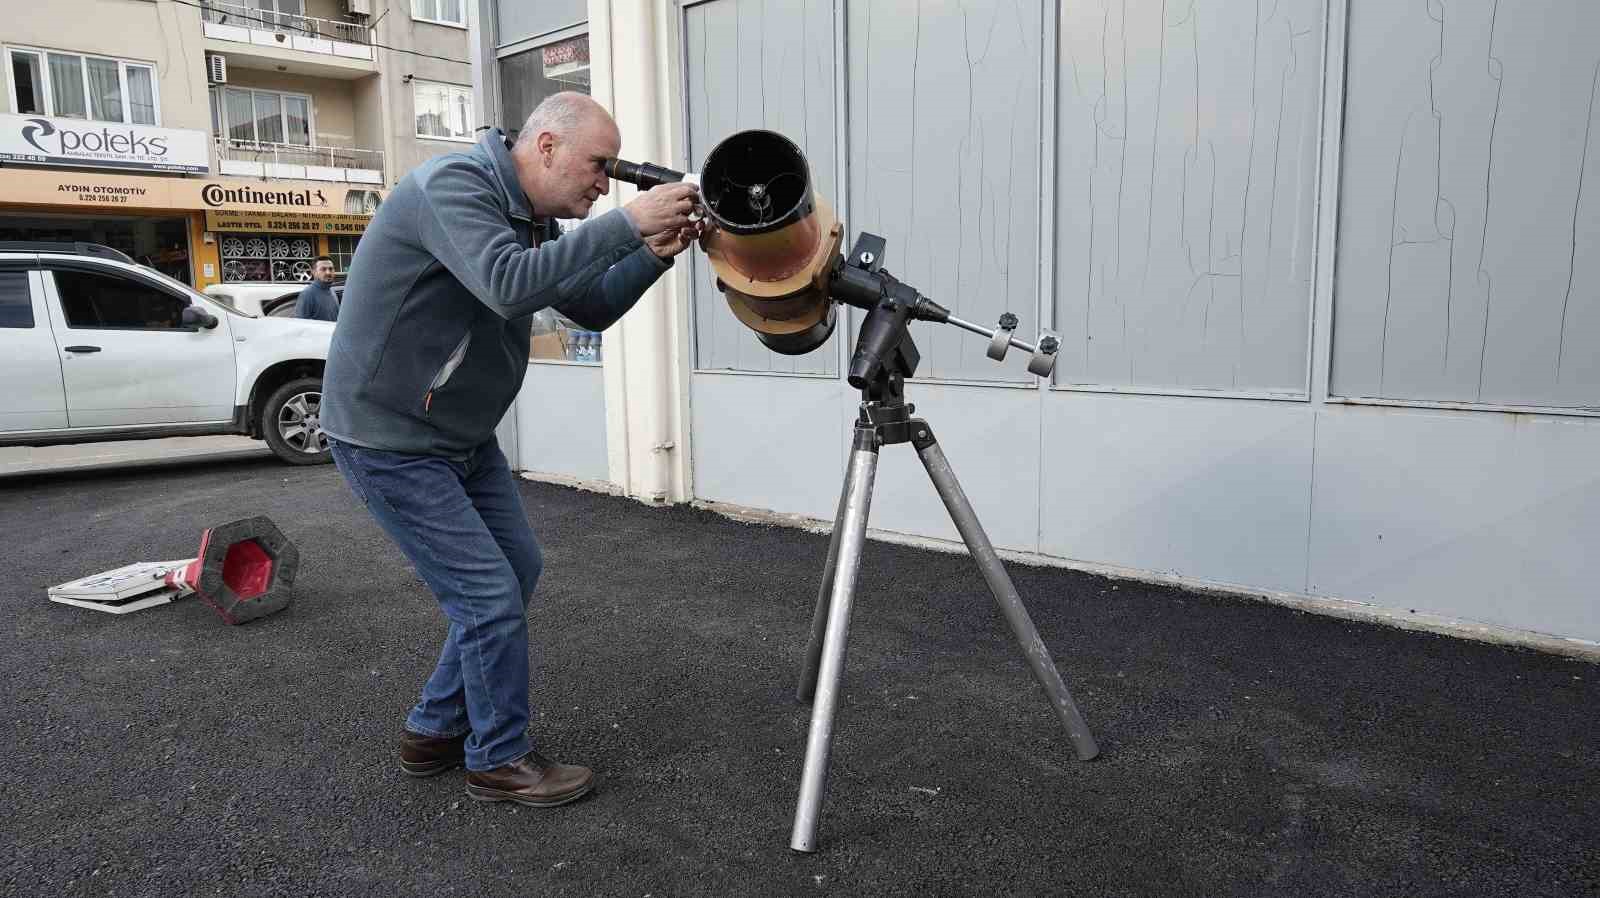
(427, 768)
(479, 793)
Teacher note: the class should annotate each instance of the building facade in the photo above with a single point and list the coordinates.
(1324, 274)
(223, 140)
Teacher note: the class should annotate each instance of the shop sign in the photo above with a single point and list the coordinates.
(42, 140)
(285, 222)
(88, 190)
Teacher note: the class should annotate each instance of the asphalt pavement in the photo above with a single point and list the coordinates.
(1247, 749)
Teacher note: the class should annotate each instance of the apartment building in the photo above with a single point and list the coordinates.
(223, 140)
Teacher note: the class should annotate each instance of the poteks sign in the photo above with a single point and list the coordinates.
(218, 196)
(63, 141)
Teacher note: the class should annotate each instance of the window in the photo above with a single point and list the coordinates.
(262, 116)
(102, 301)
(286, 13)
(283, 258)
(73, 85)
(343, 249)
(444, 111)
(441, 12)
(527, 78)
(16, 302)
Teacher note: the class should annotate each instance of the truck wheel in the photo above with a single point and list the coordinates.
(291, 422)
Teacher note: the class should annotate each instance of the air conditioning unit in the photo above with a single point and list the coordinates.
(358, 7)
(217, 69)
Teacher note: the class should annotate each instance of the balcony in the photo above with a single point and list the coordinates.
(305, 44)
(306, 163)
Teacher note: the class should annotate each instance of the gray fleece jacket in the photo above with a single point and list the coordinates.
(432, 340)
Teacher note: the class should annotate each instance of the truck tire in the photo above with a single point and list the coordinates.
(291, 422)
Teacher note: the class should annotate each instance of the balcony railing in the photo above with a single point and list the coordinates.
(288, 160)
(219, 12)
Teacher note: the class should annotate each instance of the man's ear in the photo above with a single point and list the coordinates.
(547, 147)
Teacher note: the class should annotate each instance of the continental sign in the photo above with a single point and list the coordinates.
(41, 187)
(285, 222)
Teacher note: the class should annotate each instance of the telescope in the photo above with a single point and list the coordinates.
(774, 247)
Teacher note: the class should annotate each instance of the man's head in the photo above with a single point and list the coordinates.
(322, 270)
(560, 154)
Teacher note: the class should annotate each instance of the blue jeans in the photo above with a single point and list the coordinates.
(464, 529)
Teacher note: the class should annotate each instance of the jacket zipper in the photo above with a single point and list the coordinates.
(446, 370)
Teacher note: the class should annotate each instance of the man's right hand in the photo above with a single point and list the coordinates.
(665, 207)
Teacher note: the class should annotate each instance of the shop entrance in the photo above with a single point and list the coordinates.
(159, 242)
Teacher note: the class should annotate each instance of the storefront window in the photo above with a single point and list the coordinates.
(343, 249)
(160, 243)
(280, 258)
(526, 79)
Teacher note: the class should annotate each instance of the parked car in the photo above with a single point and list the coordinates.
(273, 299)
(94, 347)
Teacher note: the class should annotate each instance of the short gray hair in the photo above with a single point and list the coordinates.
(560, 113)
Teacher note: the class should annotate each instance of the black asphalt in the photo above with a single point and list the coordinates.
(1247, 749)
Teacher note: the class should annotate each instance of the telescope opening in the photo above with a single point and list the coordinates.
(755, 182)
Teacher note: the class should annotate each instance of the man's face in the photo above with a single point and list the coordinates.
(323, 272)
(576, 176)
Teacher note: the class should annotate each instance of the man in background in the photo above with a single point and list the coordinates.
(317, 300)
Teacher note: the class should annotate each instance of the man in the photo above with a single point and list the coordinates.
(429, 353)
(317, 300)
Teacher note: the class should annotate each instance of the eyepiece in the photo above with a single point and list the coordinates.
(644, 174)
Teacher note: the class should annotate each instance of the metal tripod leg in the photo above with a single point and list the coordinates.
(819, 615)
(850, 538)
(1005, 592)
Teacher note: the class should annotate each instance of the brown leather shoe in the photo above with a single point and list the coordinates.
(429, 755)
(533, 780)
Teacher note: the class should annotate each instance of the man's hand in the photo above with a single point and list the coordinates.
(663, 208)
(669, 243)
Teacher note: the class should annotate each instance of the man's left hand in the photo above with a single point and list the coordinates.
(669, 243)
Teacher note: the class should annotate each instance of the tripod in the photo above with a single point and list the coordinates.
(885, 356)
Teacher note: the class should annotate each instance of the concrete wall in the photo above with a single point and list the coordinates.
(399, 30)
(1209, 170)
(140, 31)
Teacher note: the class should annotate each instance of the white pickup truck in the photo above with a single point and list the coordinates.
(94, 347)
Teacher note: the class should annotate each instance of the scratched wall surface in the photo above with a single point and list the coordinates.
(1185, 195)
(944, 162)
(1469, 233)
(758, 64)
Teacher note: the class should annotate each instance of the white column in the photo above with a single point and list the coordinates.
(644, 378)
